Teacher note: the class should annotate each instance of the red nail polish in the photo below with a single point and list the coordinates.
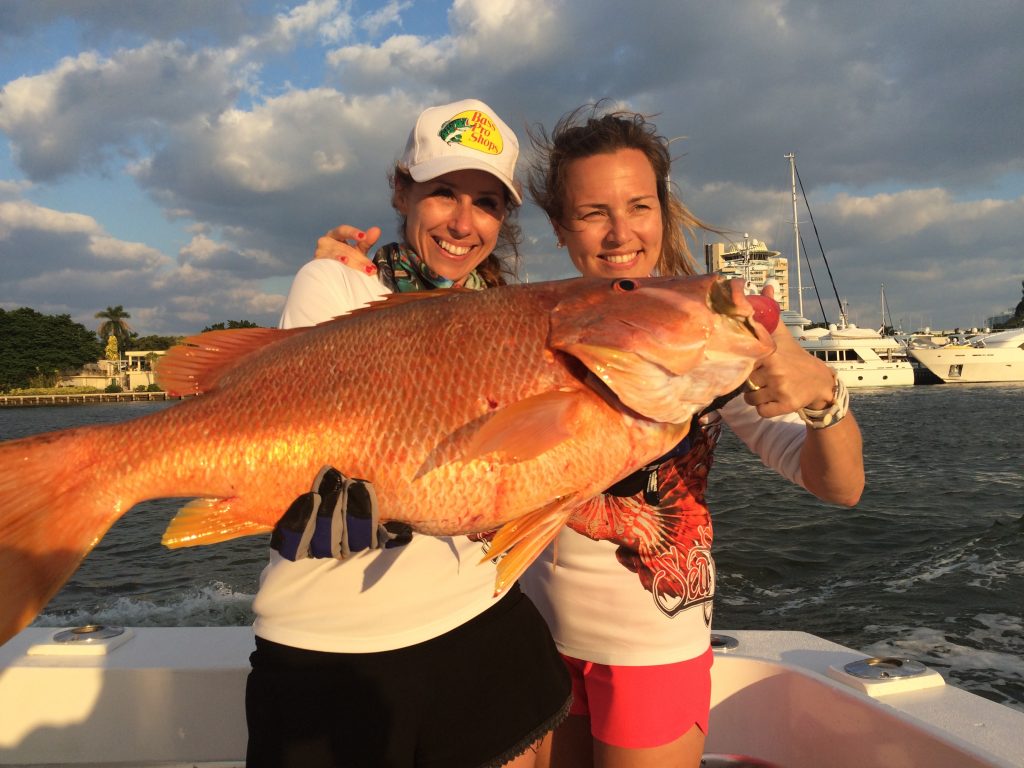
(360, 235)
(371, 270)
(343, 259)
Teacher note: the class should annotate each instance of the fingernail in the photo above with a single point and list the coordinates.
(371, 270)
(360, 235)
(343, 259)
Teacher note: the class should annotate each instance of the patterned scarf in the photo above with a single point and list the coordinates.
(402, 270)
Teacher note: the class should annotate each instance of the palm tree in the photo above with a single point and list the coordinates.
(115, 324)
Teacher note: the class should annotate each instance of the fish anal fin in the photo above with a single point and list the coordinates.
(197, 364)
(527, 429)
(209, 521)
(522, 540)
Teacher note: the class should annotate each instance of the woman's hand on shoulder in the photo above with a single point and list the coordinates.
(349, 245)
(789, 379)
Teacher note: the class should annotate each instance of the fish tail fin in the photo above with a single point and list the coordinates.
(51, 515)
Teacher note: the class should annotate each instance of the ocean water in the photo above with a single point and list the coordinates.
(929, 565)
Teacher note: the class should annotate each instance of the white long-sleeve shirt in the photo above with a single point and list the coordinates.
(378, 600)
(599, 611)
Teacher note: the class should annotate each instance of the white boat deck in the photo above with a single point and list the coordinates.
(175, 697)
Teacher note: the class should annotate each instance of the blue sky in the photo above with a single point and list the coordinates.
(181, 157)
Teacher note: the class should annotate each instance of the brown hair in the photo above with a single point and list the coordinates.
(501, 264)
(585, 132)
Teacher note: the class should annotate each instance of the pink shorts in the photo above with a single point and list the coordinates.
(637, 707)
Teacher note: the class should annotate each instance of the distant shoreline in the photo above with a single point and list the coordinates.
(19, 401)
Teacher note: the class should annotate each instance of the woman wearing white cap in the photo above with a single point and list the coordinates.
(401, 656)
(635, 631)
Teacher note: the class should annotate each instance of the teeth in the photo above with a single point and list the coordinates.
(620, 258)
(454, 250)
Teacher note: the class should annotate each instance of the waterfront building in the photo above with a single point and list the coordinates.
(753, 262)
(131, 372)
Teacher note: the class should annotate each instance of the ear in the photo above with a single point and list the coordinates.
(558, 233)
(399, 199)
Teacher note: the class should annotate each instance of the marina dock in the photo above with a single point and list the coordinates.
(12, 401)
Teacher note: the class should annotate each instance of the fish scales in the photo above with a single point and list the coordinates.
(467, 410)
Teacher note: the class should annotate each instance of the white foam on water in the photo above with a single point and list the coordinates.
(210, 606)
(926, 572)
(993, 658)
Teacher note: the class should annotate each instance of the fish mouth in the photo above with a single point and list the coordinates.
(726, 297)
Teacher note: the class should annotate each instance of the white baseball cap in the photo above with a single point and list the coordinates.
(464, 135)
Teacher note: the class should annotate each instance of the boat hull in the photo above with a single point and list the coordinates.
(877, 375)
(964, 364)
(175, 697)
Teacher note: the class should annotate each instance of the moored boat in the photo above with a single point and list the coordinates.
(861, 357)
(992, 357)
(175, 697)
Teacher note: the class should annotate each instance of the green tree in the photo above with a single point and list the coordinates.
(149, 343)
(1018, 313)
(38, 347)
(115, 323)
(230, 325)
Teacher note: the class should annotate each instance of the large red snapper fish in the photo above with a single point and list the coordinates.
(467, 410)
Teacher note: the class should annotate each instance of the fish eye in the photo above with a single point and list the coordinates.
(625, 285)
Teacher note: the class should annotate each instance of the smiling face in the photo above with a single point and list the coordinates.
(452, 222)
(612, 222)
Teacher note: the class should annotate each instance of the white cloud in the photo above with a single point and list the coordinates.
(871, 96)
(89, 106)
(322, 17)
(60, 262)
(385, 16)
(23, 215)
(411, 55)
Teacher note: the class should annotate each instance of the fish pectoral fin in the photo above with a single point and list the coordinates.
(527, 429)
(209, 521)
(523, 539)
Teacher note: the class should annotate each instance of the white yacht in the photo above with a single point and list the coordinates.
(989, 357)
(861, 357)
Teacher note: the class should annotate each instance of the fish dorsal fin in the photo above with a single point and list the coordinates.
(527, 429)
(523, 539)
(197, 364)
(398, 299)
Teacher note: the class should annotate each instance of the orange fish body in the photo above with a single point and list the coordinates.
(467, 410)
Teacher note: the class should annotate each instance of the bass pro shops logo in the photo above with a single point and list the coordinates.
(472, 129)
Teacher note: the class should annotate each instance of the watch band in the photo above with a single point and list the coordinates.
(832, 414)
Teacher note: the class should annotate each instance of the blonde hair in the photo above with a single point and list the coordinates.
(585, 132)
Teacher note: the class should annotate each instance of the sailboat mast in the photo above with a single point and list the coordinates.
(883, 308)
(796, 235)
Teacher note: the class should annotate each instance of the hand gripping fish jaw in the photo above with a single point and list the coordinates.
(338, 517)
(665, 346)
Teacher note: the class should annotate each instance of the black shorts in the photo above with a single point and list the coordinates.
(478, 695)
